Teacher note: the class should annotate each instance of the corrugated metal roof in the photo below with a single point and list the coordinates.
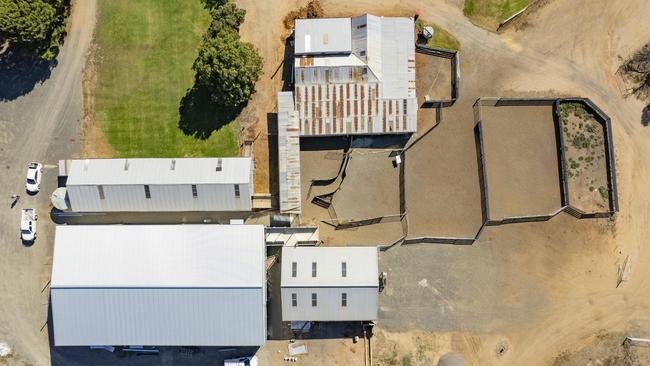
(159, 171)
(322, 35)
(288, 154)
(163, 285)
(338, 97)
(158, 256)
(361, 266)
(158, 317)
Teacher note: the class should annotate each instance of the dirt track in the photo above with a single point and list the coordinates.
(563, 49)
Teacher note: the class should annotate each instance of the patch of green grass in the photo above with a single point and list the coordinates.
(146, 51)
(441, 38)
(490, 13)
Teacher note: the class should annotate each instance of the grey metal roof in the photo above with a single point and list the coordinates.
(159, 285)
(361, 266)
(288, 154)
(322, 35)
(159, 171)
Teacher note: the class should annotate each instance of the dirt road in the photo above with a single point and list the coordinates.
(42, 125)
(564, 48)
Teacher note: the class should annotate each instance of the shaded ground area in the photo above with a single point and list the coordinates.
(442, 190)
(584, 158)
(370, 188)
(521, 161)
(433, 75)
(83, 356)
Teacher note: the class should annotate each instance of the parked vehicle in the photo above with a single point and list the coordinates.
(34, 172)
(241, 361)
(28, 220)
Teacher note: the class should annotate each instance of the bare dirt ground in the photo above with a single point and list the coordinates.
(521, 161)
(586, 165)
(433, 75)
(538, 291)
(570, 264)
(370, 188)
(43, 125)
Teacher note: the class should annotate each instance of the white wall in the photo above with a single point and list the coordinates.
(210, 197)
(362, 304)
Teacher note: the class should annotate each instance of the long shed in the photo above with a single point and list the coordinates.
(329, 283)
(159, 285)
(159, 185)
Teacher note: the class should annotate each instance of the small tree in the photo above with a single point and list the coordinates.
(227, 17)
(228, 68)
(636, 72)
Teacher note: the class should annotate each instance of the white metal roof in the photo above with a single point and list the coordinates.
(159, 171)
(163, 285)
(159, 256)
(322, 35)
(361, 266)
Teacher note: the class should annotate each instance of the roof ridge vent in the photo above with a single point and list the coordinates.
(126, 164)
(173, 167)
(219, 164)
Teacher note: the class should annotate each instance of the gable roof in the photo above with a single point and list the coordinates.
(158, 256)
(361, 266)
(159, 171)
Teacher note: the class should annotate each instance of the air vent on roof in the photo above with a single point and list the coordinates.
(86, 162)
(126, 164)
(173, 164)
(219, 164)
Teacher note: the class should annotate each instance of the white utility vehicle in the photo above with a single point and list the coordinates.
(34, 172)
(28, 219)
(241, 361)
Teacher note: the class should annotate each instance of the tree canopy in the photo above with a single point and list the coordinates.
(37, 25)
(227, 67)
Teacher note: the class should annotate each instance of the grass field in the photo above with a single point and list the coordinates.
(490, 13)
(441, 38)
(146, 51)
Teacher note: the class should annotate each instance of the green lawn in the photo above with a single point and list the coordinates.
(146, 51)
(441, 38)
(490, 13)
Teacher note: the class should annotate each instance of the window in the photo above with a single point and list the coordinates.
(147, 193)
(363, 53)
(100, 190)
(195, 194)
(344, 299)
(237, 190)
(344, 269)
(294, 300)
(313, 269)
(314, 300)
(294, 269)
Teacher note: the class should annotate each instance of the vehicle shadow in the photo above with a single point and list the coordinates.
(645, 116)
(20, 73)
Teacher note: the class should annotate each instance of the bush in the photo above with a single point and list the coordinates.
(313, 9)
